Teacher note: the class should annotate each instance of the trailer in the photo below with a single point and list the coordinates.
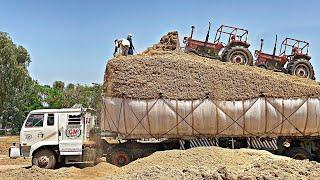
(133, 128)
(289, 127)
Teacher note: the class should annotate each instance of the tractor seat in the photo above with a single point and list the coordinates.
(238, 43)
(297, 54)
(301, 55)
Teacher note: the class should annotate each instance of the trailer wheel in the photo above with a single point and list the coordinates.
(44, 158)
(238, 55)
(120, 158)
(298, 153)
(301, 68)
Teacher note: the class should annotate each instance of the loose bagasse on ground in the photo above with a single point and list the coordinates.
(195, 163)
(182, 76)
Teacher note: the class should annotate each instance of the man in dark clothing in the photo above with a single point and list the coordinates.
(131, 48)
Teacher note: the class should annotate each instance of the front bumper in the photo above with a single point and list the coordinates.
(18, 151)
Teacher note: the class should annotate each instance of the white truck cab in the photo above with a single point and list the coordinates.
(57, 135)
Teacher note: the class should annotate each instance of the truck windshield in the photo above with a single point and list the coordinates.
(35, 120)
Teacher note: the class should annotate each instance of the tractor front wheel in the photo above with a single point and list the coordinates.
(238, 55)
(301, 68)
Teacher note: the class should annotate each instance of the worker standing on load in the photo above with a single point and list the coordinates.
(121, 47)
(131, 48)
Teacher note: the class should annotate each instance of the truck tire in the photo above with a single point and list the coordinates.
(298, 153)
(44, 158)
(301, 68)
(120, 157)
(239, 55)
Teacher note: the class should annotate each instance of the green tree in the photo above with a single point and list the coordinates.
(17, 91)
(58, 85)
(59, 96)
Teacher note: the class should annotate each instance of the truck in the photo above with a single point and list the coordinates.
(134, 128)
(51, 136)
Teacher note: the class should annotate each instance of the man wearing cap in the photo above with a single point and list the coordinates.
(131, 47)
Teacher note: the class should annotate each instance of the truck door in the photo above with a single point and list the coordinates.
(51, 128)
(32, 132)
(71, 133)
(39, 127)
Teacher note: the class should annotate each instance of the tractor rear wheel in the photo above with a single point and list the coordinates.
(301, 68)
(238, 55)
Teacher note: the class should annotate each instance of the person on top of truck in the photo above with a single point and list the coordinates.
(121, 46)
(131, 48)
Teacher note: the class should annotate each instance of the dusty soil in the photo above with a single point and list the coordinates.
(96, 172)
(5, 160)
(6, 142)
(178, 75)
(196, 163)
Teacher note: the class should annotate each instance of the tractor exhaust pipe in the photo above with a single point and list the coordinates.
(192, 30)
(261, 44)
(208, 33)
(275, 46)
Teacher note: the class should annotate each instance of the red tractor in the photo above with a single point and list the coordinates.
(230, 45)
(293, 58)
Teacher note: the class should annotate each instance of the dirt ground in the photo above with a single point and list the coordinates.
(6, 142)
(196, 163)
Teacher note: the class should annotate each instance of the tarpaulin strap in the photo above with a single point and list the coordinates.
(104, 113)
(105, 107)
(286, 118)
(140, 120)
(234, 121)
(119, 115)
(182, 118)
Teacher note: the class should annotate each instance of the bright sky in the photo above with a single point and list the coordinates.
(72, 40)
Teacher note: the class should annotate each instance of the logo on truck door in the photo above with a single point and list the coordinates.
(73, 131)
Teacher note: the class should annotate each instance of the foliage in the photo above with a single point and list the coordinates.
(59, 96)
(17, 90)
(19, 93)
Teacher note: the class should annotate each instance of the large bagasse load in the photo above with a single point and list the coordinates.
(177, 75)
(171, 94)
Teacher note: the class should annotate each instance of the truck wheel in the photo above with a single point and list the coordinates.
(120, 158)
(238, 55)
(298, 153)
(301, 68)
(44, 158)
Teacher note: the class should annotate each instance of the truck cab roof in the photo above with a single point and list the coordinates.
(64, 110)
